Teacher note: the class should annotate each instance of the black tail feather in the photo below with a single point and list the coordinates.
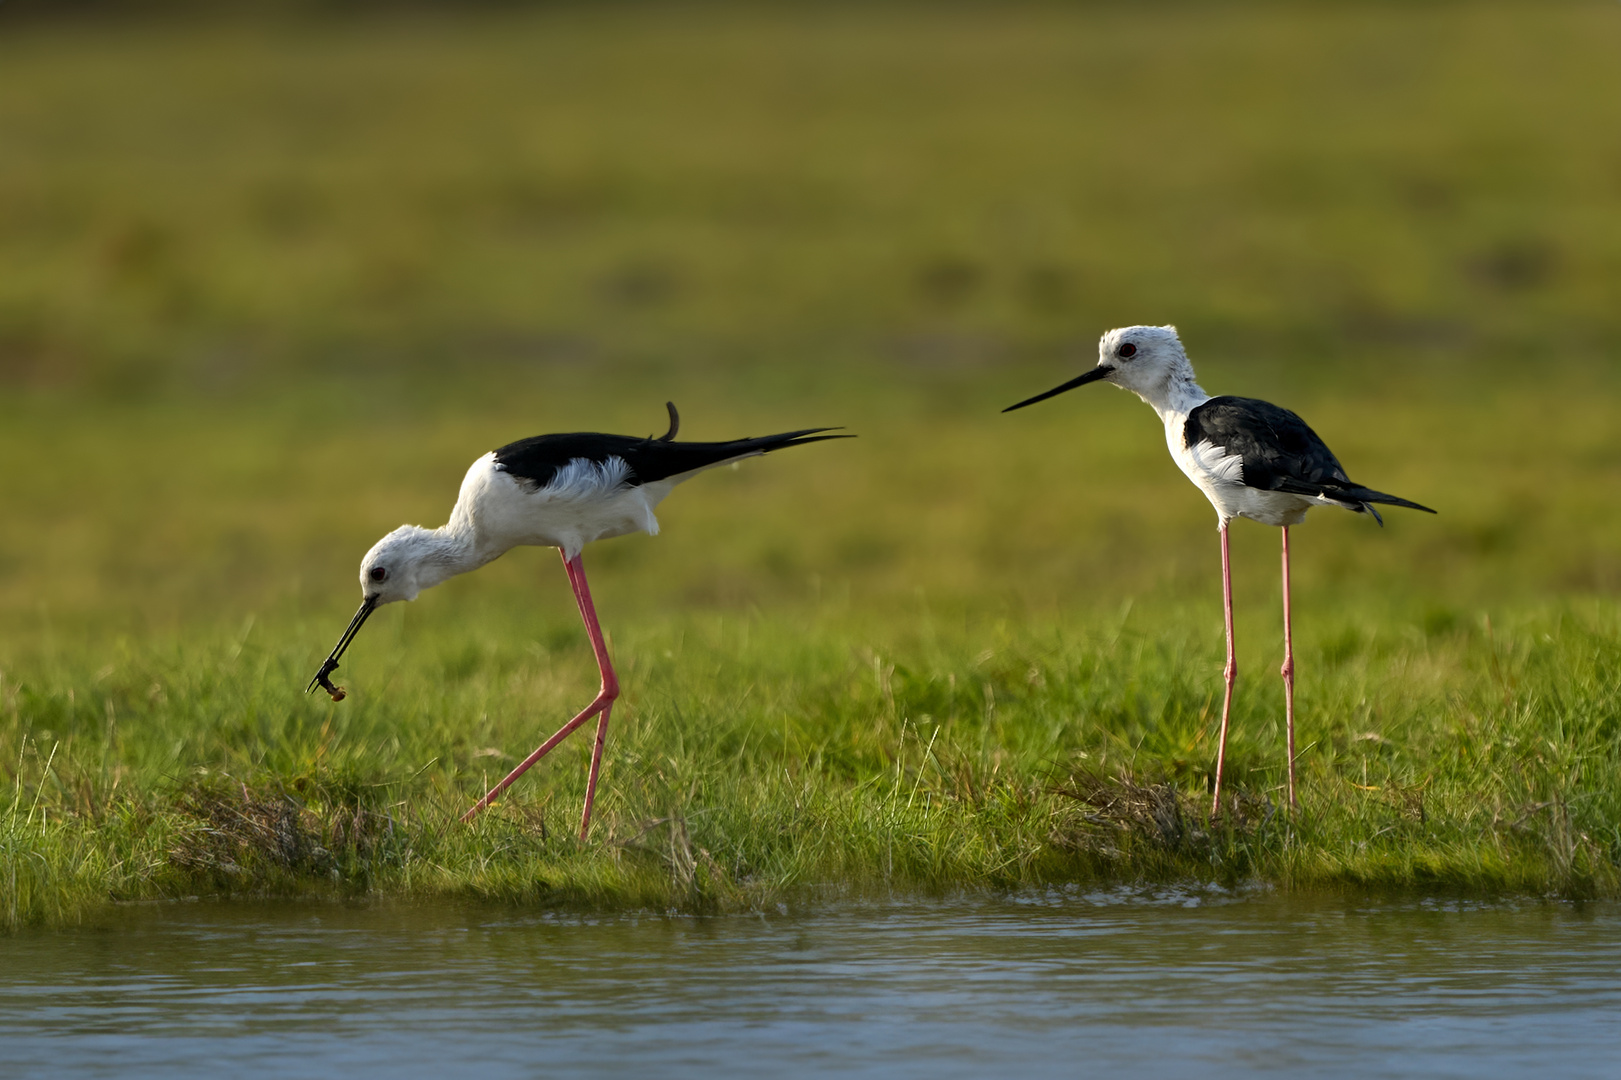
(536, 460)
(656, 460)
(766, 443)
(659, 459)
(1348, 493)
(1368, 495)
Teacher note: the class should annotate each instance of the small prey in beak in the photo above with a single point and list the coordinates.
(367, 606)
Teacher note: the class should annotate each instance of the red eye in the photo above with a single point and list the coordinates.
(378, 574)
(1126, 351)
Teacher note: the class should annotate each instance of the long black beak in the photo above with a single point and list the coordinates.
(1080, 380)
(367, 606)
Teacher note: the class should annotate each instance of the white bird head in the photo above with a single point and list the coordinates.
(1147, 360)
(397, 567)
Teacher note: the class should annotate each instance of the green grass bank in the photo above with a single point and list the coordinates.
(758, 760)
(270, 285)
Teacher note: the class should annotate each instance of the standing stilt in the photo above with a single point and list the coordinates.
(1288, 671)
(1230, 672)
(602, 704)
(1251, 459)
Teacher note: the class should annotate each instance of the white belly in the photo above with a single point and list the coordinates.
(1267, 507)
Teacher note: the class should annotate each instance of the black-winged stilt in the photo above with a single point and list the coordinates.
(561, 491)
(1251, 459)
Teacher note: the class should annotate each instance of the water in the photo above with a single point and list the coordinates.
(1061, 984)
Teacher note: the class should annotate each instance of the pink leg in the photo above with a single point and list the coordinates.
(1230, 672)
(610, 683)
(602, 704)
(596, 765)
(1288, 670)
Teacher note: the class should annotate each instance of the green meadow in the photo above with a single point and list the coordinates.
(269, 284)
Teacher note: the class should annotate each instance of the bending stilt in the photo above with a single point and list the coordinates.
(1230, 672)
(602, 704)
(1288, 670)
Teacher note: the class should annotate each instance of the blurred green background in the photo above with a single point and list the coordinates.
(271, 282)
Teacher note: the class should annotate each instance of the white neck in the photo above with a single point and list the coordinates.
(449, 550)
(1173, 397)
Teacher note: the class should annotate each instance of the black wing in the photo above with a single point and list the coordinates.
(537, 459)
(1280, 452)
